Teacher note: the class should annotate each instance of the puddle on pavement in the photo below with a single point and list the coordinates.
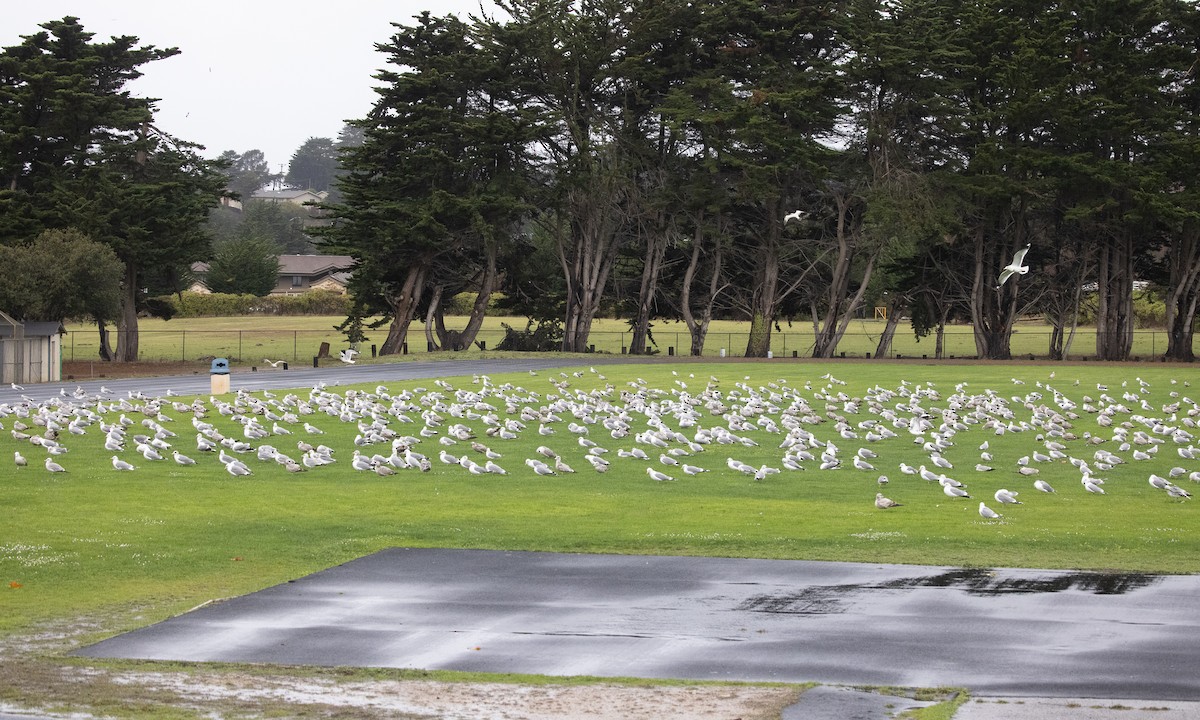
(834, 599)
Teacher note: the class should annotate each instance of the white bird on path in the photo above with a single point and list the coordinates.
(987, 513)
(1014, 268)
(119, 464)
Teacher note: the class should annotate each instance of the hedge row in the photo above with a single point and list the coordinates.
(313, 302)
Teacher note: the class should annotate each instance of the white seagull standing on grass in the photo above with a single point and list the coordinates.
(1014, 268)
(987, 513)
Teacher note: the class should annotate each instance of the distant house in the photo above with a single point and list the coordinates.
(301, 273)
(30, 352)
(296, 197)
(297, 274)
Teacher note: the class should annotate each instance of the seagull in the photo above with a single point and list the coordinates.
(987, 513)
(1006, 497)
(182, 459)
(884, 503)
(1015, 267)
(237, 469)
(19, 459)
(659, 476)
(1043, 486)
(54, 467)
(796, 215)
(273, 363)
(347, 356)
(1178, 492)
(954, 492)
(18, 388)
(119, 464)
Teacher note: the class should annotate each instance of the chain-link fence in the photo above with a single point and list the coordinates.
(300, 346)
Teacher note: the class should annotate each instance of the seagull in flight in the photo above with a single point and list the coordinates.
(347, 356)
(1014, 268)
(273, 363)
(796, 215)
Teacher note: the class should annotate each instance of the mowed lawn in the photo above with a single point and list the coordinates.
(247, 340)
(164, 538)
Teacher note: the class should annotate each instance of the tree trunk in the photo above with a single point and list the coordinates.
(106, 352)
(434, 318)
(458, 340)
(764, 298)
(1114, 315)
(1183, 294)
(895, 309)
(586, 253)
(656, 249)
(404, 308)
(127, 325)
(698, 325)
(993, 310)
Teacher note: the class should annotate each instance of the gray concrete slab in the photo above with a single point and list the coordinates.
(1019, 633)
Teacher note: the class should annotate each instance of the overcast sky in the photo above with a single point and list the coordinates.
(252, 74)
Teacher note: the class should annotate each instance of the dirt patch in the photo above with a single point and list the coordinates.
(37, 676)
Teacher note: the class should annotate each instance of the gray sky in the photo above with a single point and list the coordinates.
(251, 74)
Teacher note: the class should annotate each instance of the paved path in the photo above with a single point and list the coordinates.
(1003, 632)
(269, 378)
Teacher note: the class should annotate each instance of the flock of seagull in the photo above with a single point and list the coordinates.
(670, 432)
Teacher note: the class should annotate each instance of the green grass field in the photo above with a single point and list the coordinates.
(164, 538)
(249, 339)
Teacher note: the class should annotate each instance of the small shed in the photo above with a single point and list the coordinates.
(30, 352)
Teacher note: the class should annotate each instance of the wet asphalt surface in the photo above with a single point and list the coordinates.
(998, 632)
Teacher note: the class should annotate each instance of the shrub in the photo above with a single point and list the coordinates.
(546, 337)
(464, 302)
(313, 302)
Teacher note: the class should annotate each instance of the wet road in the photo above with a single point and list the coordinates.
(1002, 632)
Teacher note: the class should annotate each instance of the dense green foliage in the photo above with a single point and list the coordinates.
(60, 275)
(664, 142)
(78, 150)
(245, 266)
